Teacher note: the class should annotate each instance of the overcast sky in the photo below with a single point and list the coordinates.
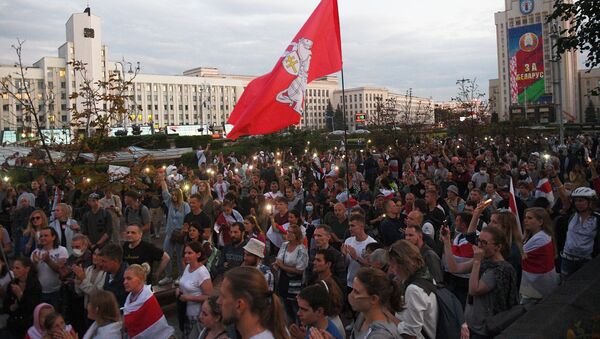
(425, 45)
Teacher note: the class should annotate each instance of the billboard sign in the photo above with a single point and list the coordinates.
(526, 58)
(361, 117)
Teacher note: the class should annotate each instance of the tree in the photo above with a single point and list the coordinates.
(582, 32)
(99, 105)
(412, 115)
(329, 113)
(471, 111)
(590, 112)
(385, 114)
(338, 119)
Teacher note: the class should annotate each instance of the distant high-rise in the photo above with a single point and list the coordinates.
(527, 76)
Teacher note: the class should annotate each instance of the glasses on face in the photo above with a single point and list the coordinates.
(484, 242)
(130, 232)
(35, 218)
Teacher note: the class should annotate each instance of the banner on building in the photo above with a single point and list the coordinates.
(526, 57)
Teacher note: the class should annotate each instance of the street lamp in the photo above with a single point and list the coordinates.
(132, 74)
(556, 81)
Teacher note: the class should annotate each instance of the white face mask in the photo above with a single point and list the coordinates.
(309, 208)
(482, 171)
(522, 173)
(77, 252)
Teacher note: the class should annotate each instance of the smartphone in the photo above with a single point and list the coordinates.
(444, 230)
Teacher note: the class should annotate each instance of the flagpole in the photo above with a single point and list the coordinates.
(345, 134)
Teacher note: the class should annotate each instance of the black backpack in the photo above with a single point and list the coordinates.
(450, 312)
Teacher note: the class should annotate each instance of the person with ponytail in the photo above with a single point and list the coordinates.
(376, 297)
(253, 229)
(420, 315)
(143, 317)
(247, 303)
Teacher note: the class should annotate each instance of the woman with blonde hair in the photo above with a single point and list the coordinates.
(141, 305)
(539, 277)
(65, 226)
(37, 221)
(104, 310)
(206, 199)
(175, 232)
(292, 260)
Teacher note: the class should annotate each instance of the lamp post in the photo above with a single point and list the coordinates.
(556, 82)
(132, 73)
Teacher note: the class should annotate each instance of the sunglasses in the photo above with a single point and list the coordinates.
(35, 218)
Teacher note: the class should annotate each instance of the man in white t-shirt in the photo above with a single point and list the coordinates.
(354, 247)
(201, 154)
(49, 258)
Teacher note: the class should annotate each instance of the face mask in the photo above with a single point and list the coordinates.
(309, 208)
(522, 173)
(77, 252)
(482, 171)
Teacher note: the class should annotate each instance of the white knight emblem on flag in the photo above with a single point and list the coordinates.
(296, 61)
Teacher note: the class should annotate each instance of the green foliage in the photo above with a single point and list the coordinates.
(583, 32)
(192, 141)
(590, 112)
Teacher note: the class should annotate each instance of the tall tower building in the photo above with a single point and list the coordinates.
(530, 84)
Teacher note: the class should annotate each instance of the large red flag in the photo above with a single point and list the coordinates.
(276, 100)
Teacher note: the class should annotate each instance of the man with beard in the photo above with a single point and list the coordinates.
(251, 203)
(254, 253)
(232, 255)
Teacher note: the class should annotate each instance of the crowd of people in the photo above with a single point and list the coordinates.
(442, 239)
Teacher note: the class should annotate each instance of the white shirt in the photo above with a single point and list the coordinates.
(354, 265)
(266, 334)
(190, 284)
(277, 238)
(49, 279)
(421, 312)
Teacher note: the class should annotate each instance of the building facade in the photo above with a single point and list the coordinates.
(198, 101)
(364, 101)
(589, 104)
(530, 84)
(200, 96)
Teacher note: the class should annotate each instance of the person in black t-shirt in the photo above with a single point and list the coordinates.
(137, 251)
(196, 215)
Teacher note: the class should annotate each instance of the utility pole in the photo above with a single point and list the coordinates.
(556, 82)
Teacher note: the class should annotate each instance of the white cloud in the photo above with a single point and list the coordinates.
(425, 45)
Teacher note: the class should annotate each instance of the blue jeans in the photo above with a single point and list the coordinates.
(568, 266)
(175, 251)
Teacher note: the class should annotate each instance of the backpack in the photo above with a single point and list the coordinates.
(128, 209)
(450, 312)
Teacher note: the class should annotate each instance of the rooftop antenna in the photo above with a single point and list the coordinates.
(87, 9)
